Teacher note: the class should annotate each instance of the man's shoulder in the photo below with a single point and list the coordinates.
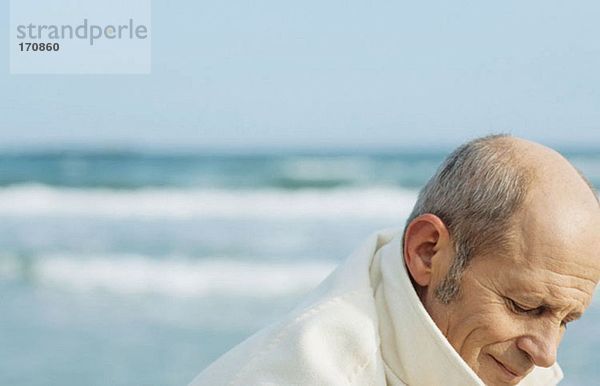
(332, 341)
(331, 338)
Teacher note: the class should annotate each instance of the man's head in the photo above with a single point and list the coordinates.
(502, 248)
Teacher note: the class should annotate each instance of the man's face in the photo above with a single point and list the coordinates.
(513, 309)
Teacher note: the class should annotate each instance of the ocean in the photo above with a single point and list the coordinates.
(142, 267)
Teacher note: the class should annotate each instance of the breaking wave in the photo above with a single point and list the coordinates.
(138, 274)
(42, 200)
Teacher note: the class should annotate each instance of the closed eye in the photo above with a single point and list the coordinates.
(520, 309)
(538, 311)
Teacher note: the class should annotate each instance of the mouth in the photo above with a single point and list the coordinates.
(509, 375)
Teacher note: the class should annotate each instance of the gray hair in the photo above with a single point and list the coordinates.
(475, 192)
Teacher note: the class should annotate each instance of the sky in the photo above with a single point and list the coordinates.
(243, 74)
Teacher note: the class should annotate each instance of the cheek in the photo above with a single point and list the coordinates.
(498, 336)
(481, 328)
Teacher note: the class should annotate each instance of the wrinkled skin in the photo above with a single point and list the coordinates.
(513, 308)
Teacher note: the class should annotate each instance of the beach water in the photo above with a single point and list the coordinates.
(141, 268)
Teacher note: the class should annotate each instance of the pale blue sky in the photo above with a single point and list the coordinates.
(329, 74)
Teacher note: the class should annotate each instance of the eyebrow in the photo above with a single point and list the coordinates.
(572, 315)
(543, 304)
(575, 315)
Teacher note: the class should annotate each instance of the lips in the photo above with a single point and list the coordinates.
(514, 373)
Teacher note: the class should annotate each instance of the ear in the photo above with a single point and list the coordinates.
(425, 237)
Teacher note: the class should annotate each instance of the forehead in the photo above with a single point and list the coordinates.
(555, 286)
(554, 258)
(563, 238)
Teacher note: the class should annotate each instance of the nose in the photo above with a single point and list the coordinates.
(542, 345)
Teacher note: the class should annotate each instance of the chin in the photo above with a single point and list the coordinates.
(494, 381)
(493, 374)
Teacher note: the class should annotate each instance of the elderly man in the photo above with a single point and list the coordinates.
(499, 255)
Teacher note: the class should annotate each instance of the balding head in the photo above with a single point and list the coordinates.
(561, 211)
(481, 187)
(556, 178)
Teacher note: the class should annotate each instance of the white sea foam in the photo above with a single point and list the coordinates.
(41, 200)
(136, 274)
